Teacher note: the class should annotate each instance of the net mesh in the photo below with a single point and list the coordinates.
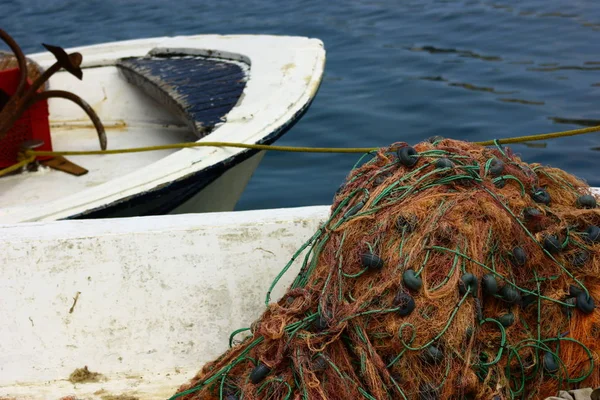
(445, 271)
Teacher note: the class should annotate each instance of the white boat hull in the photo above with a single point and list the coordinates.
(224, 193)
(158, 297)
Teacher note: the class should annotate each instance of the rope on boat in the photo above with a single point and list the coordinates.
(31, 154)
(18, 165)
(519, 139)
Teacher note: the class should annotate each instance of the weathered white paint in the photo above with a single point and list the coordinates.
(285, 74)
(159, 296)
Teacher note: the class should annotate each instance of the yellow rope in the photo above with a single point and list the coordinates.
(16, 166)
(31, 154)
(530, 138)
(542, 136)
(206, 144)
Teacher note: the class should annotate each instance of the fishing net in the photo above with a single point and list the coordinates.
(445, 271)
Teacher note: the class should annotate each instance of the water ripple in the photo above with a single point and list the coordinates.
(462, 53)
(396, 70)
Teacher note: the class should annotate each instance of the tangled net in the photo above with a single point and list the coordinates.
(446, 271)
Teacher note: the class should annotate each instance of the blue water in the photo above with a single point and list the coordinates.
(397, 70)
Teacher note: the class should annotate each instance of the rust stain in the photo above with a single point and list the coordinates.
(287, 67)
(119, 125)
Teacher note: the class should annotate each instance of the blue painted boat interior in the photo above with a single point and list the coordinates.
(200, 90)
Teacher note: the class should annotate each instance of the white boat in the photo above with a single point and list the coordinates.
(162, 91)
(144, 302)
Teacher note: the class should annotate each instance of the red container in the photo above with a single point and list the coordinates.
(32, 125)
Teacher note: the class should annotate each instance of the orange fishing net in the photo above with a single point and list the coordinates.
(446, 271)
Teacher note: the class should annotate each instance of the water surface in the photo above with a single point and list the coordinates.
(396, 71)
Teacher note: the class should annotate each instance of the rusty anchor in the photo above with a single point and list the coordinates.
(12, 107)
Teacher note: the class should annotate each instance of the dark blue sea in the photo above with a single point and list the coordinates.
(397, 70)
